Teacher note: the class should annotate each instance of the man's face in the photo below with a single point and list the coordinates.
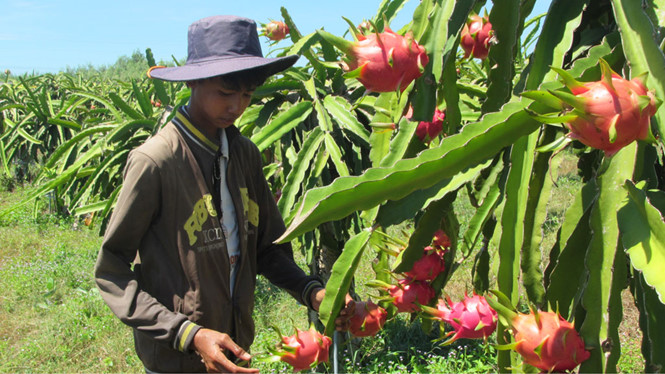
(216, 105)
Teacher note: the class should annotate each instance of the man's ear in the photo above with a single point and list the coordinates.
(191, 84)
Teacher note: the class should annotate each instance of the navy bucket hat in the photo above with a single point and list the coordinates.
(221, 45)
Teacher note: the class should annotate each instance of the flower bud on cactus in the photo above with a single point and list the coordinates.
(276, 30)
(368, 319)
(429, 266)
(610, 113)
(303, 350)
(477, 36)
(408, 293)
(426, 131)
(382, 62)
(471, 318)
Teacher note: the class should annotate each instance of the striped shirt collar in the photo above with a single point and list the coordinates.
(183, 121)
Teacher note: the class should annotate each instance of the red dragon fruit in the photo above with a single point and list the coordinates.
(426, 131)
(382, 62)
(610, 113)
(471, 318)
(407, 292)
(368, 319)
(304, 349)
(441, 240)
(276, 30)
(429, 266)
(547, 341)
(477, 37)
(544, 339)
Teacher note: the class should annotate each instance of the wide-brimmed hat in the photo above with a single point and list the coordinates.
(221, 45)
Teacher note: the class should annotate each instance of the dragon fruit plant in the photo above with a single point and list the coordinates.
(544, 339)
(426, 131)
(275, 30)
(368, 319)
(471, 318)
(607, 114)
(382, 62)
(302, 350)
(477, 37)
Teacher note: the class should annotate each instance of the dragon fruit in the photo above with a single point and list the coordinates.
(304, 349)
(408, 293)
(471, 318)
(429, 266)
(607, 114)
(441, 240)
(426, 131)
(276, 30)
(477, 37)
(547, 341)
(382, 62)
(368, 319)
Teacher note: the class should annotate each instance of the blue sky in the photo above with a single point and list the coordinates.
(47, 36)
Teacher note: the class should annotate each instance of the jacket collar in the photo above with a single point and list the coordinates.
(187, 127)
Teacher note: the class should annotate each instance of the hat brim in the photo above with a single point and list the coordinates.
(212, 68)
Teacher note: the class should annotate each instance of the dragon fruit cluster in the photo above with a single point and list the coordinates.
(415, 288)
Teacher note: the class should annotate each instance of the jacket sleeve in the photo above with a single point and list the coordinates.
(137, 206)
(275, 261)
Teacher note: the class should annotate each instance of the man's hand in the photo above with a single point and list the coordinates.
(211, 344)
(342, 321)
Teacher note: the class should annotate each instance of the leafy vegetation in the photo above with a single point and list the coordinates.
(362, 195)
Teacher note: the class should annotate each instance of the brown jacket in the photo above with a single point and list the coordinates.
(166, 212)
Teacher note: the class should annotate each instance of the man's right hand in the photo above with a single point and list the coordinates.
(211, 345)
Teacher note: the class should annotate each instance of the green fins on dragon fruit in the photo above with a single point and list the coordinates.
(545, 340)
(471, 318)
(607, 114)
(302, 350)
(382, 62)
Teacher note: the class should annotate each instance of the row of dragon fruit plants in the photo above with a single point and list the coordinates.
(389, 127)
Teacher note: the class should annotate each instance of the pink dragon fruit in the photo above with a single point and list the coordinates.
(426, 131)
(441, 240)
(477, 36)
(429, 266)
(407, 292)
(304, 349)
(382, 62)
(544, 339)
(471, 318)
(610, 113)
(276, 30)
(368, 319)
(547, 341)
